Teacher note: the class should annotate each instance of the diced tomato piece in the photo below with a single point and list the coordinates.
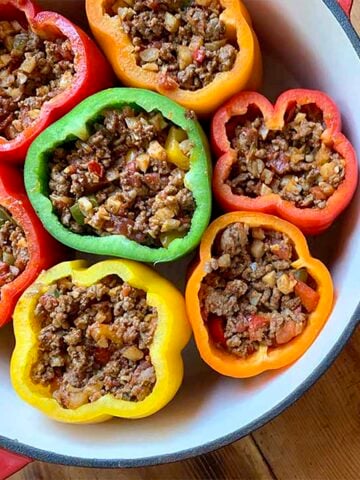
(4, 270)
(199, 55)
(242, 323)
(318, 194)
(166, 82)
(309, 297)
(257, 321)
(286, 332)
(102, 355)
(216, 329)
(122, 226)
(281, 250)
(96, 168)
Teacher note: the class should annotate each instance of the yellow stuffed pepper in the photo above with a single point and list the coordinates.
(99, 342)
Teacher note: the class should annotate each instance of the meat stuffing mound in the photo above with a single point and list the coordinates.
(121, 181)
(14, 254)
(32, 71)
(294, 163)
(94, 341)
(185, 41)
(251, 290)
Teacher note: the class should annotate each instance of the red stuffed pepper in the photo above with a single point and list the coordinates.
(47, 66)
(25, 247)
(290, 159)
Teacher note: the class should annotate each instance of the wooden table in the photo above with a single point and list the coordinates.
(318, 438)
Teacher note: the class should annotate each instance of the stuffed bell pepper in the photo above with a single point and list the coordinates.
(290, 159)
(257, 299)
(99, 342)
(25, 246)
(126, 173)
(197, 52)
(47, 65)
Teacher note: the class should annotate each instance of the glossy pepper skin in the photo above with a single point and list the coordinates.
(93, 73)
(309, 220)
(44, 251)
(245, 74)
(197, 179)
(264, 359)
(171, 335)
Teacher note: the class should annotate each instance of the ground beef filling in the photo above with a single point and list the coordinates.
(251, 290)
(121, 180)
(185, 41)
(294, 162)
(14, 254)
(94, 341)
(32, 71)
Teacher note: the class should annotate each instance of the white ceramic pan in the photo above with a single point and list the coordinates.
(307, 43)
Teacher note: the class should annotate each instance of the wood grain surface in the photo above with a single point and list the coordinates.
(318, 438)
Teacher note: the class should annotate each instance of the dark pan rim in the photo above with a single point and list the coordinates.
(49, 457)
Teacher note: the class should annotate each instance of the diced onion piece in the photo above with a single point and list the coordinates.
(216, 45)
(143, 161)
(158, 122)
(258, 232)
(5, 59)
(85, 205)
(131, 155)
(34, 113)
(328, 170)
(265, 190)
(75, 399)
(286, 284)
(263, 131)
(323, 155)
(186, 146)
(131, 122)
(184, 56)
(150, 67)
(28, 64)
(149, 54)
(270, 279)
(170, 224)
(132, 353)
(254, 297)
(167, 237)
(257, 248)
(156, 151)
(171, 22)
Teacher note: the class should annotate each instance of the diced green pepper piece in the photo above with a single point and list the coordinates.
(77, 215)
(93, 200)
(8, 258)
(301, 275)
(4, 216)
(167, 237)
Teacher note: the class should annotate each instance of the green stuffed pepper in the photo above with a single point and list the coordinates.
(126, 173)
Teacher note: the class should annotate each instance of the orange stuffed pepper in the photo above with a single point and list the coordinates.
(257, 299)
(198, 52)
